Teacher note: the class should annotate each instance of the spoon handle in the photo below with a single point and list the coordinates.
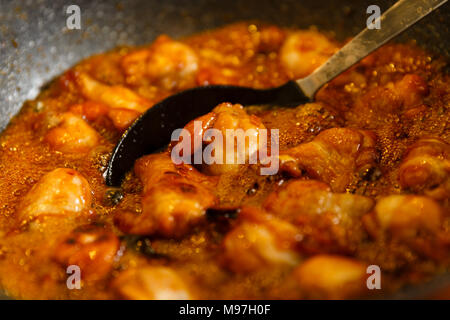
(396, 19)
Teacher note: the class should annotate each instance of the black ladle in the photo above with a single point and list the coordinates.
(153, 129)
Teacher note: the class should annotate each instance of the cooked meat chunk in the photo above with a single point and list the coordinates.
(260, 240)
(269, 38)
(174, 198)
(372, 109)
(115, 97)
(332, 277)
(171, 64)
(151, 283)
(411, 90)
(304, 51)
(329, 222)
(60, 193)
(426, 168)
(124, 104)
(404, 216)
(416, 221)
(72, 135)
(91, 248)
(236, 138)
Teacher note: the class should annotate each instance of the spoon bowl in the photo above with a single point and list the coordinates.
(153, 129)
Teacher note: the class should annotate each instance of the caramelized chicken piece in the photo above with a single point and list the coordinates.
(414, 220)
(122, 118)
(336, 156)
(174, 198)
(222, 64)
(62, 192)
(371, 109)
(315, 198)
(231, 148)
(304, 51)
(91, 248)
(115, 97)
(426, 168)
(151, 283)
(260, 240)
(89, 110)
(404, 216)
(329, 222)
(171, 64)
(124, 105)
(332, 277)
(72, 135)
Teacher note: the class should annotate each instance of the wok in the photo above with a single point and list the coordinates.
(36, 46)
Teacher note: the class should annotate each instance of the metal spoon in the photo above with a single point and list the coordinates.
(152, 131)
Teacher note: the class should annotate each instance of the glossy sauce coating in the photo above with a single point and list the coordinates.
(364, 177)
